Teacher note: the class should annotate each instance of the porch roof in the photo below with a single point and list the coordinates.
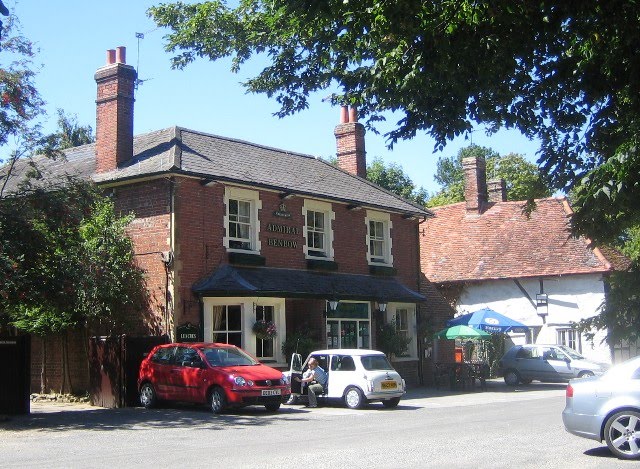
(228, 280)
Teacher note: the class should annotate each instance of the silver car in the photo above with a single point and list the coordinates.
(548, 363)
(607, 408)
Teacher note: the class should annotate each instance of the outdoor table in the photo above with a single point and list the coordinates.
(459, 375)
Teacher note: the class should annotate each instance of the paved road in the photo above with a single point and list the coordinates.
(500, 428)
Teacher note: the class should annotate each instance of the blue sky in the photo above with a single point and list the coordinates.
(73, 37)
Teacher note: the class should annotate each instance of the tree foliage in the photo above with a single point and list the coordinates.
(394, 179)
(69, 134)
(564, 72)
(65, 261)
(619, 315)
(523, 180)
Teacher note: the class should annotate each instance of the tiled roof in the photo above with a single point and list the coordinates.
(219, 158)
(505, 242)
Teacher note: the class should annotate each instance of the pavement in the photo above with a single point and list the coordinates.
(423, 396)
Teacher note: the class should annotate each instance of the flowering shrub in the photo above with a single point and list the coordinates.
(265, 329)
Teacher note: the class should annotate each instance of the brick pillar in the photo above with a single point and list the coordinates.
(475, 183)
(114, 111)
(350, 143)
(497, 189)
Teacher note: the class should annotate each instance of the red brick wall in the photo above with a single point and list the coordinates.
(150, 232)
(199, 229)
(350, 240)
(283, 257)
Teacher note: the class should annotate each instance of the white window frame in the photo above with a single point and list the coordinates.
(562, 338)
(329, 216)
(273, 340)
(358, 321)
(385, 219)
(392, 311)
(248, 319)
(253, 198)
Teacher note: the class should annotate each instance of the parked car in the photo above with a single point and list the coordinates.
(219, 375)
(549, 363)
(356, 377)
(607, 408)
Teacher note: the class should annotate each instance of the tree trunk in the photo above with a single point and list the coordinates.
(43, 367)
(66, 387)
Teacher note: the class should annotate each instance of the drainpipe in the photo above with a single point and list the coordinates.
(419, 340)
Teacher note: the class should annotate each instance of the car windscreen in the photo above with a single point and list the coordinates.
(375, 362)
(227, 356)
(572, 353)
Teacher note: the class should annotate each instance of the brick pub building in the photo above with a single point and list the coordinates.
(232, 232)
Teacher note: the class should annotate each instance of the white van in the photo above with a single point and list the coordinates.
(356, 376)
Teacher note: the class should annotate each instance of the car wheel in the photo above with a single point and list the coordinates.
(217, 400)
(391, 402)
(148, 396)
(511, 377)
(272, 406)
(622, 434)
(353, 398)
(586, 374)
(293, 399)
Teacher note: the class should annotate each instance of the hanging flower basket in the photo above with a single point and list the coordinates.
(265, 329)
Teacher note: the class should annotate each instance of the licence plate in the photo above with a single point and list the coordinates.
(271, 392)
(389, 385)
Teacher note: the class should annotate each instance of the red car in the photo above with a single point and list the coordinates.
(219, 375)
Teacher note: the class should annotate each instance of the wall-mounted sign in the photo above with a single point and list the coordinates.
(284, 229)
(187, 332)
(282, 211)
(282, 243)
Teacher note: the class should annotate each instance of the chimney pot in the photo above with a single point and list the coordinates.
(111, 56)
(121, 55)
(353, 114)
(344, 114)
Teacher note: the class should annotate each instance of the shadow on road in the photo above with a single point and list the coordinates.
(138, 418)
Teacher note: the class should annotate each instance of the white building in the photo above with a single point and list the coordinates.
(526, 265)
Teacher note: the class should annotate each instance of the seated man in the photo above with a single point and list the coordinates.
(316, 378)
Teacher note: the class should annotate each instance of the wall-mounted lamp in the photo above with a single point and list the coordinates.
(541, 300)
(333, 304)
(542, 306)
(382, 306)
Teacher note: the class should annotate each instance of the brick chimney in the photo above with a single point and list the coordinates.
(350, 143)
(497, 189)
(475, 183)
(114, 111)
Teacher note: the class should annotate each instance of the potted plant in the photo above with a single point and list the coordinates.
(265, 329)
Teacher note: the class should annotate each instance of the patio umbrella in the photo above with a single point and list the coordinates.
(462, 332)
(488, 320)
